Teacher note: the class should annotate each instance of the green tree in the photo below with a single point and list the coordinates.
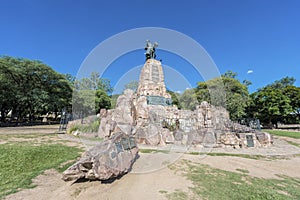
(94, 82)
(7, 90)
(113, 100)
(34, 88)
(175, 98)
(188, 99)
(269, 105)
(282, 83)
(276, 102)
(102, 100)
(132, 85)
(90, 95)
(293, 93)
(225, 91)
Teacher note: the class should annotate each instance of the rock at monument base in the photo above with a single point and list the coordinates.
(264, 138)
(178, 136)
(230, 139)
(109, 159)
(209, 137)
(195, 137)
(167, 136)
(124, 128)
(124, 108)
(152, 135)
(107, 124)
(142, 108)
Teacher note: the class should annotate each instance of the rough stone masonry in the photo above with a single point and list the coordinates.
(150, 117)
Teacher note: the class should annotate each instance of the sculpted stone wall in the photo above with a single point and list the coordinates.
(160, 125)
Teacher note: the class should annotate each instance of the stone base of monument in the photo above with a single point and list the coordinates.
(154, 121)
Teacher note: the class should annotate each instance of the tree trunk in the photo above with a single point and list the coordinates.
(3, 115)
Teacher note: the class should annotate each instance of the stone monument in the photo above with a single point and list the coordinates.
(152, 84)
(150, 117)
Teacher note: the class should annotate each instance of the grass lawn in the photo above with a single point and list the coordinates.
(284, 133)
(153, 151)
(215, 184)
(22, 161)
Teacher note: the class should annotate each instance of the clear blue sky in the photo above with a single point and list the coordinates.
(257, 36)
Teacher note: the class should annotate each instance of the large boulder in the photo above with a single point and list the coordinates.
(178, 136)
(124, 108)
(153, 134)
(142, 108)
(122, 118)
(230, 139)
(209, 137)
(107, 124)
(264, 138)
(167, 136)
(109, 159)
(195, 137)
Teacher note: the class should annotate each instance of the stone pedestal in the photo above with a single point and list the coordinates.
(152, 84)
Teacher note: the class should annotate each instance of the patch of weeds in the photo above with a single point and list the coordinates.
(20, 163)
(85, 128)
(163, 191)
(153, 151)
(166, 162)
(34, 139)
(215, 184)
(194, 153)
(245, 171)
(63, 166)
(76, 192)
(177, 195)
(92, 138)
(293, 143)
(26, 136)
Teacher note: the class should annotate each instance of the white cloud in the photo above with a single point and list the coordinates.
(250, 71)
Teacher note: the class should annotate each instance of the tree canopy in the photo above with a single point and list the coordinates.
(188, 99)
(276, 102)
(91, 94)
(30, 87)
(226, 91)
(132, 85)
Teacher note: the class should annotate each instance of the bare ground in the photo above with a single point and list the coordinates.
(41, 129)
(150, 177)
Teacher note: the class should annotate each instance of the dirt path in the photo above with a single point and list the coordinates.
(150, 177)
(257, 168)
(40, 129)
(134, 185)
(151, 185)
